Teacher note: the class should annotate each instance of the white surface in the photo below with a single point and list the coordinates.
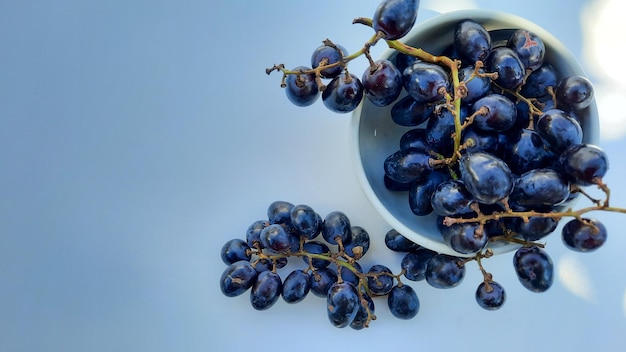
(137, 137)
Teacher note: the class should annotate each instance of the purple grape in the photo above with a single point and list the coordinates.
(472, 41)
(343, 94)
(501, 113)
(266, 290)
(332, 55)
(575, 92)
(584, 164)
(342, 304)
(414, 263)
(408, 112)
(296, 286)
(383, 83)
(490, 296)
(408, 165)
(464, 238)
(395, 241)
(537, 83)
(584, 236)
(425, 82)
(540, 187)
(507, 64)
(379, 280)
(302, 89)
(403, 302)
(234, 251)
(487, 177)
(452, 198)
(336, 226)
(559, 130)
(237, 278)
(359, 242)
(444, 271)
(534, 268)
(361, 317)
(528, 47)
(321, 280)
(305, 221)
(395, 18)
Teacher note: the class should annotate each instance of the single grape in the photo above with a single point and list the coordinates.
(359, 243)
(420, 192)
(266, 290)
(537, 83)
(540, 187)
(237, 278)
(402, 60)
(395, 18)
(408, 112)
(477, 86)
(482, 141)
(301, 89)
(534, 268)
(536, 228)
(408, 165)
(316, 247)
(279, 212)
(500, 115)
(253, 233)
(235, 250)
(490, 295)
(441, 126)
(343, 94)
(425, 82)
(380, 280)
(305, 221)
(574, 92)
(403, 302)
(364, 314)
(451, 198)
(465, 238)
(510, 69)
(559, 130)
(331, 55)
(444, 271)
(296, 286)
(382, 83)
(336, 226)
(321, 280)
(528, 47)
(342, 304)
(584, 164)
(414, 263)
(584, 236)
(525, 151)
(395, 241)
(472, 41)
(276, 239)
(348, 275)
(487, 177)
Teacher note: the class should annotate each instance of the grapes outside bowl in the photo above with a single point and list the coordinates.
(376, 136)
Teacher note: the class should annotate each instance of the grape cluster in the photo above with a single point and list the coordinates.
(298, 231)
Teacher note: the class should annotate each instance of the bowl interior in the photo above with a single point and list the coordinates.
(376, 136)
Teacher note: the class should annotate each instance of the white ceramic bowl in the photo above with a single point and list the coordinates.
(376, 136)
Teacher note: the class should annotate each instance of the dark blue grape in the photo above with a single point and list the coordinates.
(500, 116)
(465, 238)
(305, 221)
(414, 263)
(395, 18)
(414, 138)
(359, 243)
(480, 140)
(364, 314)
(342, 304)
(574, 92)
(537, 83)
(444, 271)
(403, 302)
(559, 130)
(408, 165)
(237, 278)
(380, 280)
(316, 247)
(253, 233)
(584, 236)
(296, 286)
(534, 268)
(395, 241)
(276, 239)
(343, 94)
(441, 126)
(540, 187)
(425, 82)
(266, 290)
(528, 47)
(477, 86)
(336, 226)
(584, 164)
(321, 280)
(510, 69)
(408, 112)
(537, 227)
(472, 41)
(349, 276)
(402, 60)
(301, 89)
(487, 177)
(452, 198)
(490, 296)
(420, 192)
(382, 83)
(526, 151)
(279, 212)
(332, 55)
(234, 251)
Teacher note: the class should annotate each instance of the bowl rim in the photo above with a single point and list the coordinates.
(479, 15)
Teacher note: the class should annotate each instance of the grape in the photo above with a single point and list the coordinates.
(279, 212)
(584, 164)
(305, 221)
(359, 243)
(253, 233)
(537, 83)
(575, 92)
(382, 83)
(362, 316)
(420, 192)
(528, 47)
(471, 41)
(477, 86)
(403, 302)
(414, 138)
(425, 82)
(234, 251)
(395, 18)
(452, 198)
(501, 113)
(379, 280)
(342, 304)
(584, 236)
(535, 228)
(395, 241)
(349, 276)
(343, 94)
(465, 238)
(440, 127)
(266, 290)
(302, 89)
(237, 278)
(559, 130)
(276, 239)
(444, 271)
(540, 187)
(408, 165)
(534, 268)
(332, 55)
(321, 280)
(402, 60)
(296, 286)
(336, 226)
(408, 112)
(486, 177)
(316, 247)
(414, 263)
(510, 69)
(525, 151)
(490, 296)
(481, 140)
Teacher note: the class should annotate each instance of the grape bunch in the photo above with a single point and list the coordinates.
(330, 248)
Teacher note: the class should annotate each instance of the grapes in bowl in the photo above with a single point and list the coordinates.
(399, 148)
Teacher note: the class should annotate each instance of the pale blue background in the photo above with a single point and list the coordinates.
(136, 137)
